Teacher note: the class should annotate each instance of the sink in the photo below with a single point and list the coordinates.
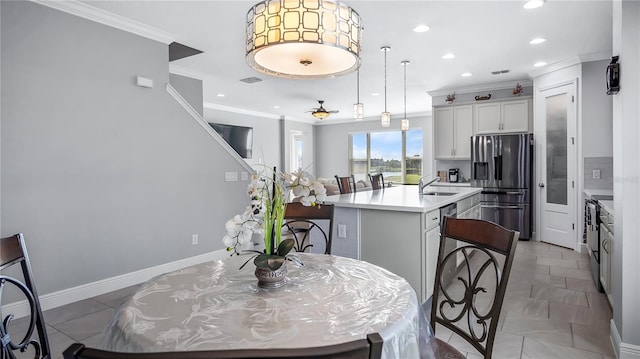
(439, 193)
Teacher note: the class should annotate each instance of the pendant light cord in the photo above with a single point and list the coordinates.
(385, 79)
(404, 63)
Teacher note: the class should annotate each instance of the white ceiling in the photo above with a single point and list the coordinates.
(485, 36)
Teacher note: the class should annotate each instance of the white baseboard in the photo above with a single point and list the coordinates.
(623, 350)
(70, 295)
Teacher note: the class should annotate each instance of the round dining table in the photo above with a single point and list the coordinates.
(215, 305)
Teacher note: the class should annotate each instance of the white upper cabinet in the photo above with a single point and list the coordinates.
(453, 130)
(502, 117)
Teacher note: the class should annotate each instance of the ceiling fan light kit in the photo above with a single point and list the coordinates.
(303, 39)
(320, 112)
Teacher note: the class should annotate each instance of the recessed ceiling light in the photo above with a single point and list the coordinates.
(449, 56)
(539, 64)
(532, 4)
(421, 28)
(466, 74)
(276, 106)
(220, 95)
(375, 94)
(537, 40)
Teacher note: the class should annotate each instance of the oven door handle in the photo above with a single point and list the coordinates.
(519, 193)
(500, 206)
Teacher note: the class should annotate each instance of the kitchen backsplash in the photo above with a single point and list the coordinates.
(605, 165)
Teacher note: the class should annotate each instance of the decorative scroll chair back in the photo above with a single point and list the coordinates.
(305, 225)
(370, 348)
(12, 252)
(377, 181)
(468, 301)
(346, 184)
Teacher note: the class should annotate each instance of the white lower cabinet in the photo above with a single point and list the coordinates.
(430, 252)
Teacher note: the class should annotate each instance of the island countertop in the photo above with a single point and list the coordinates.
(402, 198)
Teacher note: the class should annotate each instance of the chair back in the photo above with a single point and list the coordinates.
(468, 300)
(346, 184)
(377, 181)
(13, 252)
(305, 225)
(370, 348)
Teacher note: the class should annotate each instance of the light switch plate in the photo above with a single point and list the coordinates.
(231, 176)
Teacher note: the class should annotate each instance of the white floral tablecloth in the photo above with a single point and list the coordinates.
(214, 305)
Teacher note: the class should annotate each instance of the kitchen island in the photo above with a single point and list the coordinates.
(398, 229)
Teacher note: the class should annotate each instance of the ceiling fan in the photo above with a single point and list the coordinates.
(320, 112)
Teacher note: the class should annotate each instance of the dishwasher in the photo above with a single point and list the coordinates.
(450, 267)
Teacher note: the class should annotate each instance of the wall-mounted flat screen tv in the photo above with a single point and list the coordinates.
(238, 137)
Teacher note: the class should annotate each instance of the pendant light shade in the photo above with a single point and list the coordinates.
(358, 108)
(303, 39)
(404, 125)
(385, 119)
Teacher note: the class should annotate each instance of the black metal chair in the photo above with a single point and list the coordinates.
(302, 223)
(377, 181)
(12, 252)
(370, 348)
(469, 298)
(346, 184)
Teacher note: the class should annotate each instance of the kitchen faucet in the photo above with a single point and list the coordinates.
(422, 185)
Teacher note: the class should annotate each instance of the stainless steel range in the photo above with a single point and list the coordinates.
(593, 235)
(502, 165)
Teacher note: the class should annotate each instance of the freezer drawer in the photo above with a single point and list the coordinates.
(512, 216)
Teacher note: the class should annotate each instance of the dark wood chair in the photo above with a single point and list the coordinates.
(370, 348)
(303, 224)
(377, 181)
(346, 184)
(468, 301)
(12, 252)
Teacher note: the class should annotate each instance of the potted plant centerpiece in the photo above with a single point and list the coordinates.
(269, 192)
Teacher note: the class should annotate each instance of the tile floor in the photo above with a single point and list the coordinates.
(551, 310)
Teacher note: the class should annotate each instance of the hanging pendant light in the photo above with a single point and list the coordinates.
(358, 108)
(405, 122)
(386, 116)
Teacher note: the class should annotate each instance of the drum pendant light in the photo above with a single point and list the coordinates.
(386, 116)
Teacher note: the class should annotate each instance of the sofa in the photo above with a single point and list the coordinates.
(331, 185)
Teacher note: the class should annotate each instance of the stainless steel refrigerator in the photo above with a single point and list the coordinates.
(503, 166)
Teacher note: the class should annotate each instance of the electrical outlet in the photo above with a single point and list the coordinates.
(194, 239)
(244, 176)
(596, 174)
(342, 231)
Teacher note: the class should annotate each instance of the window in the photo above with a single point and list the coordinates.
(296, 151)
(395, 154)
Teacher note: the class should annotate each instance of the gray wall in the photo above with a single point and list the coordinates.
(190, 89)
(332, 143)
(103, 177)
(597, 111)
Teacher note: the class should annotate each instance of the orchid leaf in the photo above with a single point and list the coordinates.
(285, 246)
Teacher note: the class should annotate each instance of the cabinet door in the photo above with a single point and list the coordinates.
(432, 245)
(604, 258)
(463, 130)
(487, 117)
(443, 137)
(515, 116)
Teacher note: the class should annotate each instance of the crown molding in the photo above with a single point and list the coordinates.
(94, 14)
(485, 87)
(572, 61)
